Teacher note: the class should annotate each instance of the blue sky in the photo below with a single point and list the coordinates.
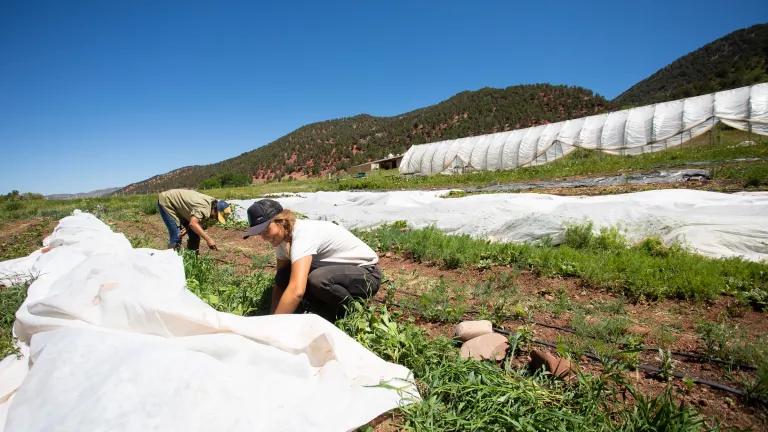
(95, 94)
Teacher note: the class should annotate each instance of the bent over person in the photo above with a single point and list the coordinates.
(190, 212)
(320, 265)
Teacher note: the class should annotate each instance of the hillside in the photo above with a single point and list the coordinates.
(735, 60)
(330, 146)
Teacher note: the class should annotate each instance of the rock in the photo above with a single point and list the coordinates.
(638, 330)
(592, 321)
(467, 330)
(490, 346)
(557, 366)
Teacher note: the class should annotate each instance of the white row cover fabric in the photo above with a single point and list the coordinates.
(112, 340)
(711, 223)
(628, 132)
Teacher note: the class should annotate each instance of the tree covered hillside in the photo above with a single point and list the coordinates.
(735, 60)
(331, 146)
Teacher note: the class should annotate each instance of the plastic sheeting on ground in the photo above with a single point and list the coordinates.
(113, 341)
(632, 131)
(710, 223)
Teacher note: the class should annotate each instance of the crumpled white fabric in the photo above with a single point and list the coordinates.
(111, 340)
(710, 223)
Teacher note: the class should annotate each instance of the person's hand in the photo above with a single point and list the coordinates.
(182, 232)
(212, 245)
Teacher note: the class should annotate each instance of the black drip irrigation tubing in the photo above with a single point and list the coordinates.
(693, 356)
(650, 370)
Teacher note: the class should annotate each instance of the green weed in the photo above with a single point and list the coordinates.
(11, 299)
(24, 242)
(648, 270)
(461, 395)
(441, 302)
(726, 342)
(219, 286)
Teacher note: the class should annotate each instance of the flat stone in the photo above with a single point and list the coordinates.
(490, 346)
(555, 365)
(467, 330)
(638, 330)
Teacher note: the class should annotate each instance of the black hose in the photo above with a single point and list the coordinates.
(649, 369)
(699, 358)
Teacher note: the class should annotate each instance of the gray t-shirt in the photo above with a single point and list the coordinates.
(328, 243)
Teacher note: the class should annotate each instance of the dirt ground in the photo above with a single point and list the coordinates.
(648, 318)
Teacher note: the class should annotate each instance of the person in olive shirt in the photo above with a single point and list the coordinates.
(189, 212)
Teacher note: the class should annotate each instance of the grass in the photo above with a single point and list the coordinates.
(26, 241)
(225, 290)
(118, 206)
(647, 270)
(11, 299)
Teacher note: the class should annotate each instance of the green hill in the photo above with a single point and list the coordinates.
(330, 146)
(735, 60)
(738, 59)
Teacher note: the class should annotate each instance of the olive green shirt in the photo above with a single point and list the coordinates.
(182, 204)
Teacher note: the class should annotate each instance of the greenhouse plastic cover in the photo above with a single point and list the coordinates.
(710, 223)
(111, 340)
(632, 131)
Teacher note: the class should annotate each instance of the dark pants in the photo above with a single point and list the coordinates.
(330, 286)
(174, 238)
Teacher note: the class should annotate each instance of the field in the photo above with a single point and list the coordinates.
(660, 339)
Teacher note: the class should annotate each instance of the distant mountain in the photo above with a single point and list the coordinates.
(330, 146)
(738, 59)
(91, 194)
(735, 60)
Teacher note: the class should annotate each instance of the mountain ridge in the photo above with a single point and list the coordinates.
(736, 59)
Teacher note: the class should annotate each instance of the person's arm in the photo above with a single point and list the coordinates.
(277, 292)
(297, 285)
(194, 225)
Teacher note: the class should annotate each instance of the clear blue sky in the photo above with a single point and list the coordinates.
(95, 94)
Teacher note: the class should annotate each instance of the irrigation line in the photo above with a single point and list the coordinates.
(699, 358)
(650, 370)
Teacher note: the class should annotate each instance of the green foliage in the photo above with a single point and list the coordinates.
(24, 242)
(755, 297)
(724, 341)
(148, 205)
(648, 270)
(660, 414)
(440, 303)
(752, 175)
(11, 299)
(227, 179)
(219, 286)
(461, 395)
(118, 206)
